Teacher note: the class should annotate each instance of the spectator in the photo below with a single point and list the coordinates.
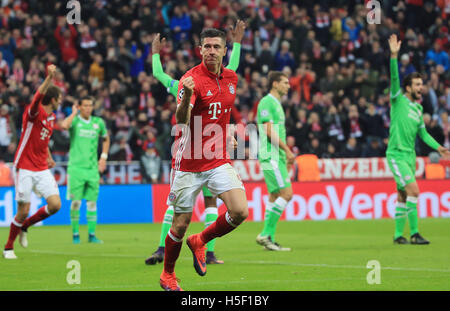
(436, 56)
(435, 130)
(65, 35)
(405, 67)
(180, 24)
(351, 149)
(284, 57)
(6, 129)
(150, 164)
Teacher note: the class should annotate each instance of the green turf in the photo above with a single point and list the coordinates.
(327, 255)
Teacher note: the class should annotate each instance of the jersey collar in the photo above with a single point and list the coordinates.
(84, 120)
(209, 73)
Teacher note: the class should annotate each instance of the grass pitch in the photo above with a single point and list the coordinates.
(328, 255)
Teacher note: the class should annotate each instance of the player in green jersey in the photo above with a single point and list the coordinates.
(83, 180)
(274, 157)
(406, 123)
(210, 201)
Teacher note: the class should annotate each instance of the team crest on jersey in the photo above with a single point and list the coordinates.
(231, 88)
(181, 93)
(264, 113)
(95, 126)
(172, 196)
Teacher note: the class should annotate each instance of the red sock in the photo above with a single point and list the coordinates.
(222, 225)
(41, 214)
(14, 230)
(171, 251)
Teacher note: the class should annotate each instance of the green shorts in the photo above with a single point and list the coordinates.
(83, 184)
(206, 192)
(403, 166)
(275, 174)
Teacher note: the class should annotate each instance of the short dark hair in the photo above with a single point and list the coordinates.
(87, 97)
(409, 78)
(52, 92)
(212, 33)
(275, 76)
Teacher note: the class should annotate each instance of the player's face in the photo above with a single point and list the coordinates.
(213, 50)
(56, 102)
(86, 108)
(416, 89)
(283, 86)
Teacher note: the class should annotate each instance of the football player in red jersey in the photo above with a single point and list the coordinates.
(206, 95)
(32, 162)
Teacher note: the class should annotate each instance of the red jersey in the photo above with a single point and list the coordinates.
(32, 151)
(204, 146)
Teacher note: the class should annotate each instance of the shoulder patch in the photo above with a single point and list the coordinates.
(181, 93)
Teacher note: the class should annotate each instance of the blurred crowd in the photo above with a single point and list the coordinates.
(337, 64)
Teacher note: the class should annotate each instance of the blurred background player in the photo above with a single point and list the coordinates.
(275, 157)
(406, 123)
(84, 166)
(32, 162)
(209, 200)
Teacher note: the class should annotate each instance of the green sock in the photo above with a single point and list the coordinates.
(411, 206)
(167, 223)
(91, 216)
(277, 209)
(266, 229)
(210, 218)
(400, 219)
(75, 217)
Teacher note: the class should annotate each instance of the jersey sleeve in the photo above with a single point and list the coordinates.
(180, 92)
(73, 125)
(103, 130)
(162, 77)
(426, 137)
(265, 113)
(395, 81)
(235, 56)
(35, 105)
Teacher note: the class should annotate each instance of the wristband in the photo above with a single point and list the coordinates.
(104, 156)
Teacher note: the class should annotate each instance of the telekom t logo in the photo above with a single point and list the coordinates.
(44, 133)
(214, 111)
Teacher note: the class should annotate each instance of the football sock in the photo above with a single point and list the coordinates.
(277, 209)
(40, 215)
(223, 225)
(171, 251)
(210, 218)
(91, 215)
(411, 206)
(400, 219)
(167, 223)
(75, 216)
(14, 230)
(266, 229)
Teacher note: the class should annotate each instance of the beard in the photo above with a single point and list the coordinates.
(416, 95)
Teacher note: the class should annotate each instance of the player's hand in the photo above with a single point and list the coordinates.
(238, 31)
(75, 109)
(51, 163)
(157, 43)
(51, 70)
(188, 85)
(394, 45)
(101, 165)
(444, 152)
(290, 158)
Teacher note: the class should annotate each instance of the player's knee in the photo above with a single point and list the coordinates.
(54, 206)
(75, 205)
(239, 216)
(91, 206)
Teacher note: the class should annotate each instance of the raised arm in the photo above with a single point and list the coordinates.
(238, 34)
(394, 46)
(157, 68)
(42, 90)
(67, 122)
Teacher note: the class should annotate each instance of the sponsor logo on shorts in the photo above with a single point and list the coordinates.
(407, 177)
(21, 194)
(172, 196)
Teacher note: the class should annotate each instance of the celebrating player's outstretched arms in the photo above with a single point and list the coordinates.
(31, 162)
(406, 124)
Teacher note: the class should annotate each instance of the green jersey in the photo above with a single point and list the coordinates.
(270, 110)
(84, 136)
(406, 118)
